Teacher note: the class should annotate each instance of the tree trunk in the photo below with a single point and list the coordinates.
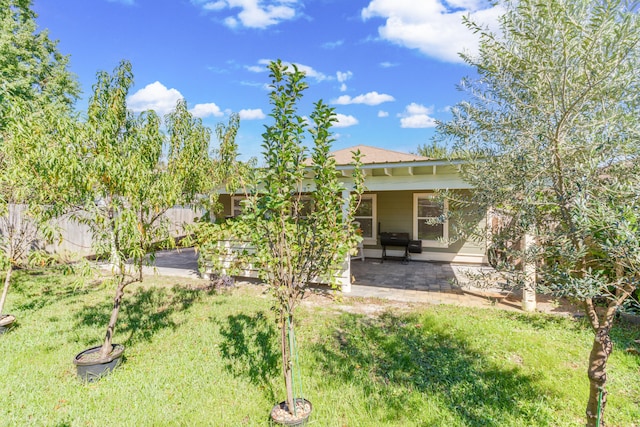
(285, 330)
(143, 237)
(5, 290)
(597, 372)
(119, 270)
(529, 276)
(140, 265)
(116, 256)
(107, 346)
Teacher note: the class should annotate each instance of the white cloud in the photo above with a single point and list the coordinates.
(434, 27)
(256, 68)
(206, 110)
(307, 70)
(371, 98)
(125, 2)
(333, 45)
(345, 121)
(231, 22)
(310, 72)
(465, 4)
(214, 5)
(342, 78)
(154, 96)
(382, 113)
(254, 114)
(253, 13)
(417, 116)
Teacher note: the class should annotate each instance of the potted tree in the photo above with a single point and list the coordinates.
(122, 184)
(298, 219)
(26, 185)
(18, 232)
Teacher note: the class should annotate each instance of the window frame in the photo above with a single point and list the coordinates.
(441, 242)
(373, 240)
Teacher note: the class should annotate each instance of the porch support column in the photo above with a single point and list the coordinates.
(344, 277)
(529, 276)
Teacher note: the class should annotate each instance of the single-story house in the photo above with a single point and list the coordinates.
(399, 199)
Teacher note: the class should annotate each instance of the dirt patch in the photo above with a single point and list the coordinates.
(356, 305)
(373, 306)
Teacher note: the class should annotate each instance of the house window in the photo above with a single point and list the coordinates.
(236, 205)
(426, 208)
(303, 207)
(366, 216)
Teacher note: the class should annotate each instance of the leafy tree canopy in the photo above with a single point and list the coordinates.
(551, 133)
(36, 95)
(31, 67)
(437, 151)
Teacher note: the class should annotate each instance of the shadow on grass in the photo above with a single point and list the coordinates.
(542, 322)
(250, 349)
(142, 314)
(622, 334)
(413, 353)
(36, 289)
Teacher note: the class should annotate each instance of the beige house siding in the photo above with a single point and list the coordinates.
(395, 178)
(395, 211)
(395, 214)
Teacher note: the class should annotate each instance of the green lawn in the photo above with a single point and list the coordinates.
(199, 358)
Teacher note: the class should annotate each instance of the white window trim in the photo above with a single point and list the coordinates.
(445, 229)
(374, 226)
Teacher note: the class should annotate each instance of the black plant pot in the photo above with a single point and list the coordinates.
(92, 368)
(305, 407)
(6, 322)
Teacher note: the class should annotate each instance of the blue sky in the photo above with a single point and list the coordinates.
(388, 67)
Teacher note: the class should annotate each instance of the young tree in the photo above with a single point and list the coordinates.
(300, 234)
(160, 184)
(36, 96)
(551, 134)
(121, 185)
(26, 181)
(436, 151)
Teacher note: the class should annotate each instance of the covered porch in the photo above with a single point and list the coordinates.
(413, 282)
(414, 275)
(438, 283)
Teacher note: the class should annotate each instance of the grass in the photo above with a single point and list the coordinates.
(198, 358)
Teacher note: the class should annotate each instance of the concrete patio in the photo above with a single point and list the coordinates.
(412, 282)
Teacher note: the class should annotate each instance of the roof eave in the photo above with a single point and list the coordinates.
(403, 164)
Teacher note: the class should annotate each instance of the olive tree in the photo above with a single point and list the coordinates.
(551, 134)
